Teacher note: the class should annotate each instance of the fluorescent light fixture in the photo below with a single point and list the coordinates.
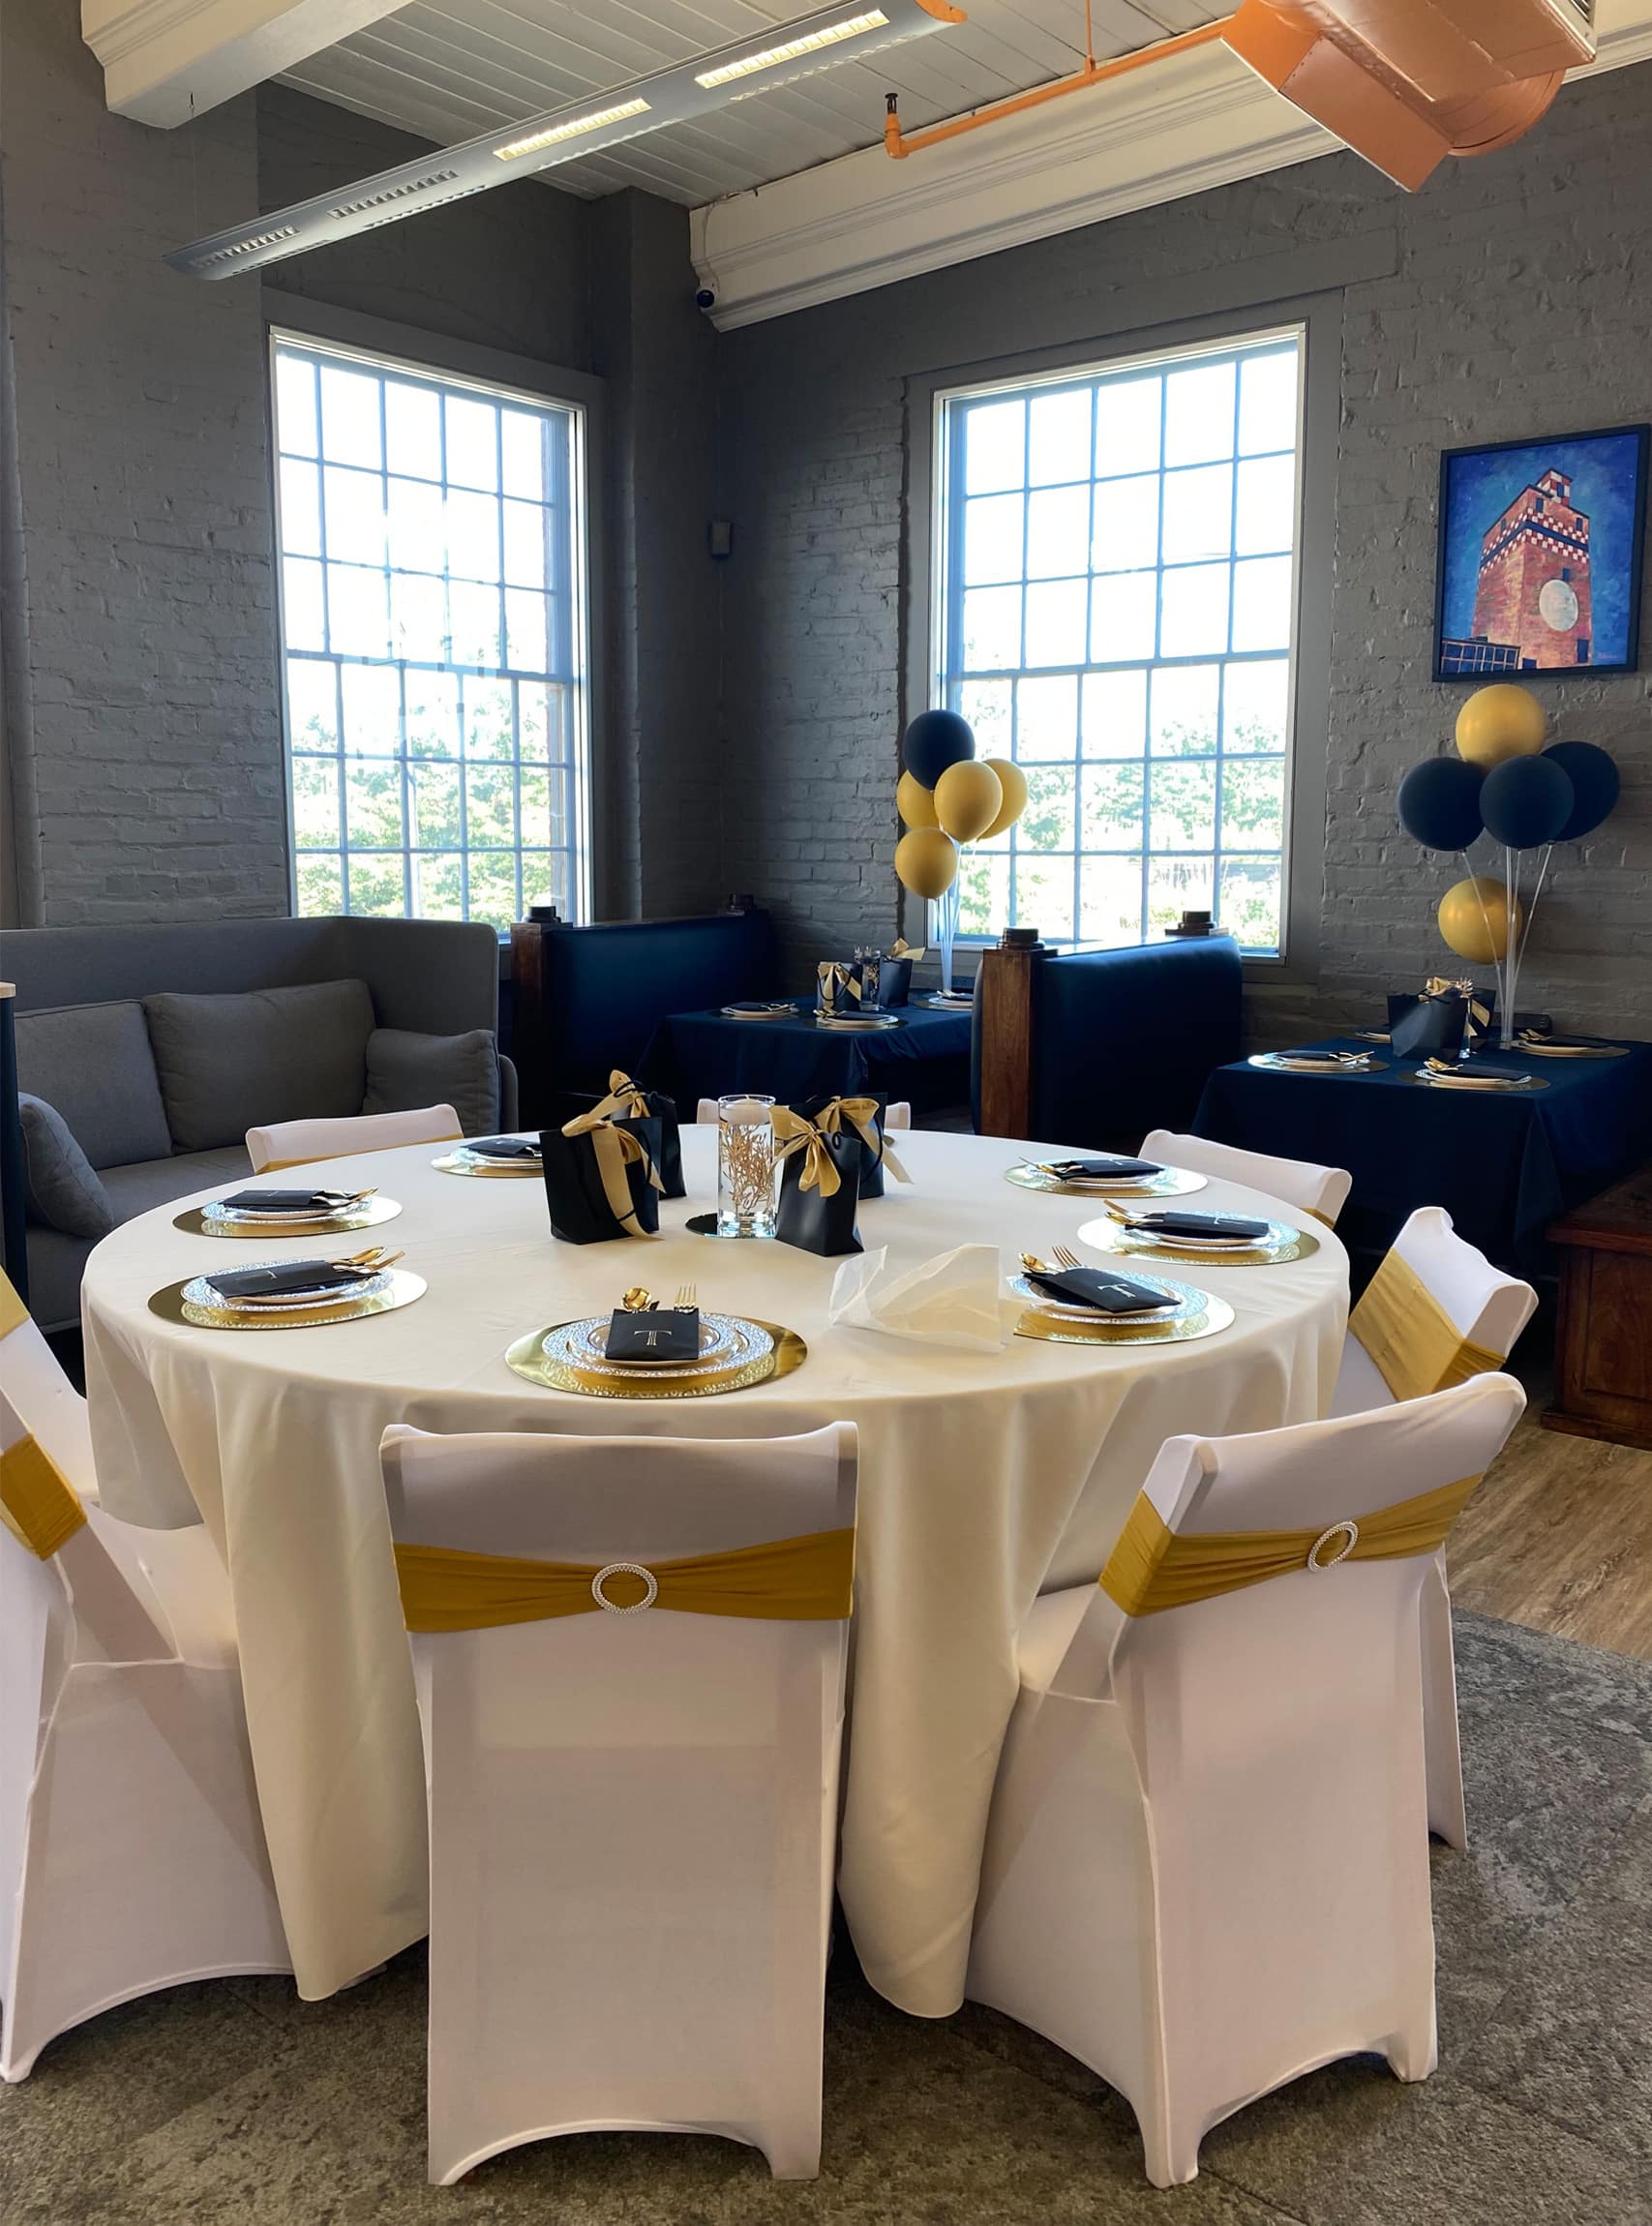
(830, 35)
(682, 94)
(576, 127)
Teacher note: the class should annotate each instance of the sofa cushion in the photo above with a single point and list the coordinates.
(230, 1064)
(406, 1071)
(60, 1186)
(55, 1262)
(135, 1189)
(92, 1063)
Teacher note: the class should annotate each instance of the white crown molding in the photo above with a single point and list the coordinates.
(1200, 120)
(166, 61)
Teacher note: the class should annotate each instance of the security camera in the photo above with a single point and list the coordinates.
(707, 297)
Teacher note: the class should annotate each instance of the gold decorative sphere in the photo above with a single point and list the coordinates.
(926, 862)
(1475, 920)
(1502, 721)
(915, 802)
(1013, 782)
(968, 797)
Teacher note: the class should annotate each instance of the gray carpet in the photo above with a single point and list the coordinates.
(235, 2102)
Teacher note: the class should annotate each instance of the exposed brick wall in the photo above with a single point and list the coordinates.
(153, 774)
(1516, 307)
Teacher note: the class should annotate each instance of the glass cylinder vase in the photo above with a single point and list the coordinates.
(746, 1166)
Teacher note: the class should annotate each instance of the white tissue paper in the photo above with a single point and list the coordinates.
(951, 1300)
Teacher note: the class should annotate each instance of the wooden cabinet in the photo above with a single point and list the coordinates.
(1602, 1359)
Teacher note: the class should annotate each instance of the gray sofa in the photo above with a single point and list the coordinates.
(145, 1054)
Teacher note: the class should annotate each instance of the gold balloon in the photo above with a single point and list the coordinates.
(926, 862)
(915, 802)
(1474, 920)
(1502, 721)
(1013, 782)
(967, 798)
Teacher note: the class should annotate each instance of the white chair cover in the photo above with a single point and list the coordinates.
(1489, 1309)
(35, 1385)
(897, 1113)
(131, 1854)
(1206, 1869)
(1322, 1192)
(296, 1143)
(633, 1816)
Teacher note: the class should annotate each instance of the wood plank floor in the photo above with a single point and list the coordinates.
(1559, 1538)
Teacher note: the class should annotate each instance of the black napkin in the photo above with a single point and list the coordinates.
(501, 1147)
(1101, 1170)
(757, 1005)
(661, 1334)
(1477, 1069)
(286, 1201)
(1099, 1288)
(289, 1280)
(1543, 1037)
(1180, 1225)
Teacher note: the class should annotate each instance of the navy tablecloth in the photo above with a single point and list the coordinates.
(1502, 1167)
(697, 1055)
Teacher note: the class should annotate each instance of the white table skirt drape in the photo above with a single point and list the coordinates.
(985, 1479)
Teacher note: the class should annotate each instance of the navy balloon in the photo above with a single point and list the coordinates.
(1526, 802)
(1595, 785)
(935, 740)
(1439, 804)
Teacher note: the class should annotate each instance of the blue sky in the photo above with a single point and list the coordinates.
(1603, 484)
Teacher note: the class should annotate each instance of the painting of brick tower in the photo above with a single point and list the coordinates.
(1532, 594)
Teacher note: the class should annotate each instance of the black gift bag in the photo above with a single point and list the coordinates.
(628, 1101)
(1428, 1027)
(600, 1180)
(864, 1116)
(820, 1184)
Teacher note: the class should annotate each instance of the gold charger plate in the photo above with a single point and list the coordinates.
(367, 1215)
(404, 1288)
(450, 1163)
(1168, 1182)
(1572, 1050)
(528, 1357)
(1283, 1244)
(1214, 1316)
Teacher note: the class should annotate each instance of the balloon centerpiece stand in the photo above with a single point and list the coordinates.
(1504, 783)
(948, 799)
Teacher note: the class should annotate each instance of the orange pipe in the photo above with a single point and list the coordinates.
(900, 144)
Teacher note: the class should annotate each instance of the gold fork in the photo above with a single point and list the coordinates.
(1066, 1259)
(686, 1298)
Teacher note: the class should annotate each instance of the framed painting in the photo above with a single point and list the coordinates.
(1538, 567)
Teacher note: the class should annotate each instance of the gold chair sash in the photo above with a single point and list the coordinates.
(1416, 1345)
(13, 1311)
(616, 1149)
(314, 1159)
(1153, 1567)
(807, 1579)
(861, 1113)
(798, 1134)
(38, 1504)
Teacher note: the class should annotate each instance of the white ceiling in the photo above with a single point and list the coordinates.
(448, 69)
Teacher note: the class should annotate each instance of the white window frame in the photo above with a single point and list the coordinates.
(381, 347)
(1314, 319)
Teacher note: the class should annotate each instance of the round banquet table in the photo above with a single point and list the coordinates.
(984, 1479)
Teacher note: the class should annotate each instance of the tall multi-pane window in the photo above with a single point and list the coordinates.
(434, 640)
(1115, 613)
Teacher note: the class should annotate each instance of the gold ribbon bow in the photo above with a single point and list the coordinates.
(806, 1579)
(38, 1504)
(616, 1149)
(1416, 1345)
(862, 1115)
(1153, 1567)
(798, 1135)
(626, 1099)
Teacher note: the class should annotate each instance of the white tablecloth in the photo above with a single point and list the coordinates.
(985, 1479)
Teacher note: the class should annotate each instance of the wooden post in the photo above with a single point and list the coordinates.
(1005, 1022)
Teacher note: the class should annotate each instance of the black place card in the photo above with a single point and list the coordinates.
(292, 1279)
(286, 1201)
(660, 1334)
(1105, 1171)
(1179, 1225)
